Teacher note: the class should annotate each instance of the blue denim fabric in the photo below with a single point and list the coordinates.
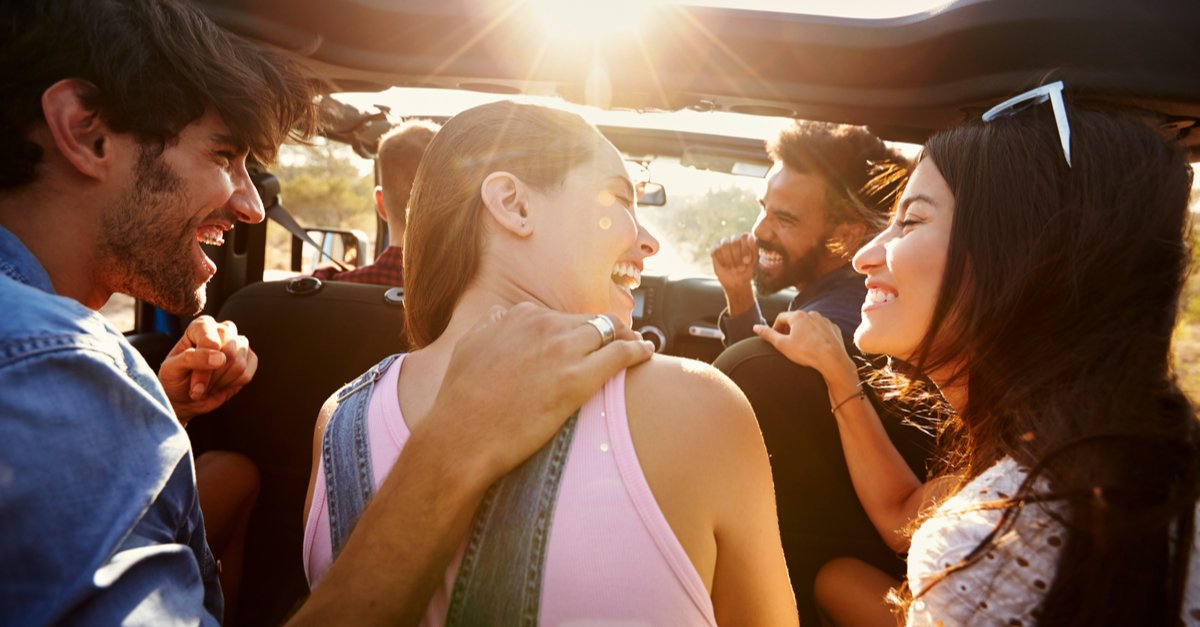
(99, 518)
(346, 453)
(837, 295)
(500, 579)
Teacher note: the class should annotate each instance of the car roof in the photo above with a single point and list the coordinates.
(905, 77)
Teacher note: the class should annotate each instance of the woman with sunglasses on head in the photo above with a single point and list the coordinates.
(654, 505)
(1032, 272)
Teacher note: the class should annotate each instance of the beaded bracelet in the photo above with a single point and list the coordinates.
(861, 393)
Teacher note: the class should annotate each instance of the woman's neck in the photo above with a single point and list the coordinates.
(477, 304)
(952, 388)
(419, 382)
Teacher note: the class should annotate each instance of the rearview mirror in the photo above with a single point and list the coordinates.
(651, 194)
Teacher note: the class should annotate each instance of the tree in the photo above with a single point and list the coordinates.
(324, 185)
(699, 222)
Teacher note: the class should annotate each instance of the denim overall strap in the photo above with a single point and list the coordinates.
(346, 453)
(500, 579)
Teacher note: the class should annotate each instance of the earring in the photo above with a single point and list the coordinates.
(522, 222)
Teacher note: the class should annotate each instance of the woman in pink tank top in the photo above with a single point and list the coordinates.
(665, 512)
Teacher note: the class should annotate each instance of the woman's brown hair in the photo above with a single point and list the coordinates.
(444, 240)
(1058, 304)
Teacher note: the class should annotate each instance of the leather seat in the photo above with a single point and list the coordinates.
(820, 517)
(311, 337)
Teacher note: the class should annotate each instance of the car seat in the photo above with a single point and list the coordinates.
(311, 337)
(820, 517)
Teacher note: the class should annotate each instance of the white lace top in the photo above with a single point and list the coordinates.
(1007, 585)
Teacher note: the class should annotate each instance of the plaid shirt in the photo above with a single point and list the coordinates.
(388, 269)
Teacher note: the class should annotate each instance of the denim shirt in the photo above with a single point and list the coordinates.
(837, 295)
(99, 518)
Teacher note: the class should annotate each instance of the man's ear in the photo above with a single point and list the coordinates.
(505, 196)
(379, 209)
(79, 134)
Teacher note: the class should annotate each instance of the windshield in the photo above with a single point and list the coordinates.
(711, 192)
(702, 207)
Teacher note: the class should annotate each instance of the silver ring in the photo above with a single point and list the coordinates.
(608, 332)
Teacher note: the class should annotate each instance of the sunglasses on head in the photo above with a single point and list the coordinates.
(1052, 92)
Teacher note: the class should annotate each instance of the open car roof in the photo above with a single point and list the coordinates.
(904, 77)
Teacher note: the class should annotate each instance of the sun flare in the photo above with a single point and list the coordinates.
(588, 19)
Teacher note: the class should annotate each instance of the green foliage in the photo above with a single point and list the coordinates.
(1186, 342)
(699, 222)
(324, 185)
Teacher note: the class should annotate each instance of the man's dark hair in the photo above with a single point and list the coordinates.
(862, 175)
(155, 65)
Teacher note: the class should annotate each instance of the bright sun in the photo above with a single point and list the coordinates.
(588, 19)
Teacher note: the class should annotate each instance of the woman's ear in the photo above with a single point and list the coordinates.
(505, 197)
(80, 136)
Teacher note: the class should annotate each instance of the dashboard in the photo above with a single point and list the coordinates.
(679, 316)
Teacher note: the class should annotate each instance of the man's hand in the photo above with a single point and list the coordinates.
(512, 382)
(209, 365)
(734, 260)
(515, 379)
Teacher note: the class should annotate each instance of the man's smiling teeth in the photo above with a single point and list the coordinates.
(626, 275)
(768, 258)
(213, 235)
(876, 296)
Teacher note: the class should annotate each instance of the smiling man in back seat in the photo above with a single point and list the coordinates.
(399, 155)
(125, 126)
(820, 205)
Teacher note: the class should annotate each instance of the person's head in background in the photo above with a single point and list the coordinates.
(399, 154)
(818, 208)
(126, 126)
(1041, 297)
(519, 202)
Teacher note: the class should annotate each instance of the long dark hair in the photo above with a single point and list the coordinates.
(1059, 302)
(443, 243)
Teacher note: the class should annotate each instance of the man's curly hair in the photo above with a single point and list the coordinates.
(863, 175)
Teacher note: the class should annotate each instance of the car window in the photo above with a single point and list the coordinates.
(702, 207)
(120, 312)
(1187, 330)
(325, 185)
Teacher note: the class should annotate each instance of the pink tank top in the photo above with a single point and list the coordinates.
(612, 556)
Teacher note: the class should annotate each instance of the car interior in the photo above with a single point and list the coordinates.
(904, 77)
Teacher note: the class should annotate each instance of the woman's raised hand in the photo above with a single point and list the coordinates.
(809, 339)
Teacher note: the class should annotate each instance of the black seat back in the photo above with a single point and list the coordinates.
(820, 517)
(309, 342)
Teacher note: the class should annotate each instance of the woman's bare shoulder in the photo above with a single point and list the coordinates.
(695, 376)
(700, 450)
(671, 397)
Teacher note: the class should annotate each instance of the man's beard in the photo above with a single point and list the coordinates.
(799, 272)
(148, 241)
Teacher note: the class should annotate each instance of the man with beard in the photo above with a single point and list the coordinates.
(814, 215)
(125, 129)
(829, 191)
